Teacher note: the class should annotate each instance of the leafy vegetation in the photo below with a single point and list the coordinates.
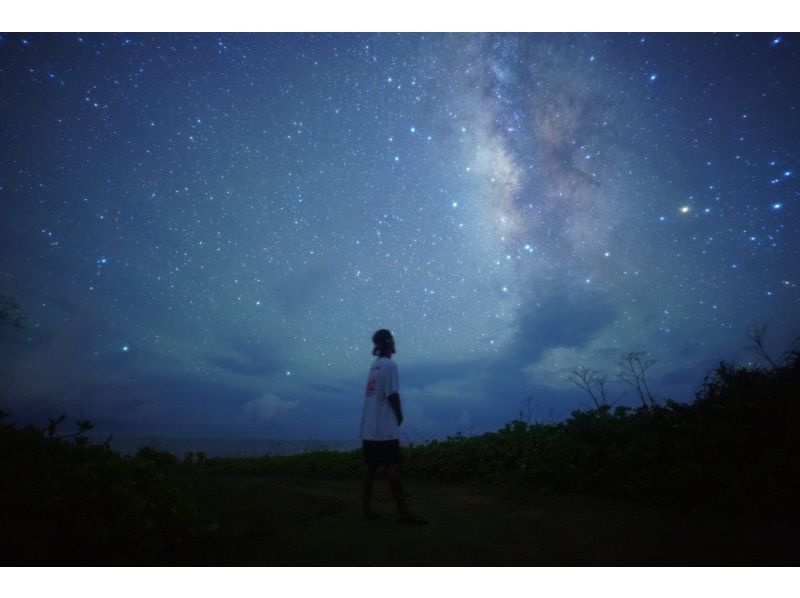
(64, 500)
(735, 447)
(329, 464)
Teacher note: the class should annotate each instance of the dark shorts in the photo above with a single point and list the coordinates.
(381, 452)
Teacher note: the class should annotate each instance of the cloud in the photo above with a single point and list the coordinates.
(247, 358)
(266, 408)
(564, 318)
(459, 389)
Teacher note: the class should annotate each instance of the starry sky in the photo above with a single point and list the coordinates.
(203, 231)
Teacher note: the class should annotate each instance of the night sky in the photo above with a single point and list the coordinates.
(203, 231)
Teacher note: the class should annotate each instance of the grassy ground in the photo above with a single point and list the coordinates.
(278, 520)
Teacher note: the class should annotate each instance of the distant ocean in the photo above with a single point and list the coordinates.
(228, 447)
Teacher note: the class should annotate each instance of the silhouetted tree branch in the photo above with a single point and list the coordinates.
(633, 369)
(592, 382)
(52, 426)
(528, 402)
(757, 336)
(83, 426)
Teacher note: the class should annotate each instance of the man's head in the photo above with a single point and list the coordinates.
(384, 343)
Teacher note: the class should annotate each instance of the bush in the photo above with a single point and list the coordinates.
(737, 447)
(71, 502)
(331, 464)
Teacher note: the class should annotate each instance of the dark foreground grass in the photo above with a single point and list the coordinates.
(65, 503)
(286, 520)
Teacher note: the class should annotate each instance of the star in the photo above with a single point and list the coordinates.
(225, 172)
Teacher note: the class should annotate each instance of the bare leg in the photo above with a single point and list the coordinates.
(396, 484)
(366, 489)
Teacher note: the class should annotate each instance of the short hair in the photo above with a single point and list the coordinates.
(380, 339)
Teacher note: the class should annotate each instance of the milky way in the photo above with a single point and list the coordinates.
(203, 231)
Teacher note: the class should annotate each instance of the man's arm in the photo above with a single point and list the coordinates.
(394, 401)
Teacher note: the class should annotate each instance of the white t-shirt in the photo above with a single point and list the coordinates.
(378, 420)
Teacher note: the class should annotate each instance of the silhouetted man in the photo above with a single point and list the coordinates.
(380, 427)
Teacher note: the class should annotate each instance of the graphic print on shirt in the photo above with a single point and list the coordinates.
(372, 382)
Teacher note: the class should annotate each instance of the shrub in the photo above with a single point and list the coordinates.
(71, 502)
(737, 446)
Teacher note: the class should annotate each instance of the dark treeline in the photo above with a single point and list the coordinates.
(736, 446)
